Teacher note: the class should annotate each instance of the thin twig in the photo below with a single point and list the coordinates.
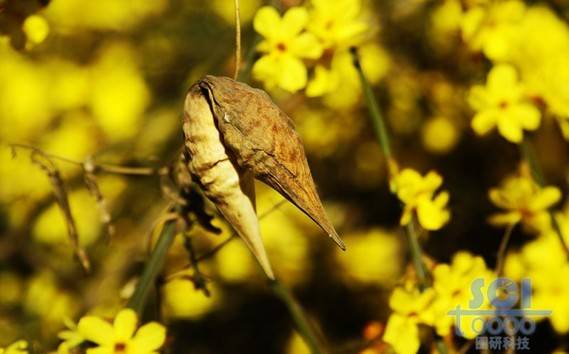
(93, 188)
(198, 279)
(108, 168)
(45, 163)
(417, 255)
(237, 41)
(501, 256)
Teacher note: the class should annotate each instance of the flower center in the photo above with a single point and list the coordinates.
(120, 347)
(503, 105)
(281, 47)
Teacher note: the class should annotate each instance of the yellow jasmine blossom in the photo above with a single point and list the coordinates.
(552, 292)
(452, 284)
(19, 347)
(418, 195)
(544, 262)
(70, 336)
(543, 59)
(285, 45)
(122, 336)
(410, 308)
(523, 201)
(492, 29)
(336, 78)
(503, 103)
(337, 24)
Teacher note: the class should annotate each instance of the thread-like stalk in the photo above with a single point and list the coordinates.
(237, 41)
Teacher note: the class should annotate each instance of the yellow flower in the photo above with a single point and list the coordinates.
(410, 308)
(337, 79)
(524, 201)
(19, 347)
(544, 263)
(493, 29)
(285, 44)
(337, 23)
(503, 103)
(418, 196)
(71, 337)
(452, 284)
(120, 337)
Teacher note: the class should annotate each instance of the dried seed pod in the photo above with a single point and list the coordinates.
(221, 179)
(234, 131)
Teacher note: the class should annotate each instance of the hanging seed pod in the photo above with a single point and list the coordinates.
(233, 133)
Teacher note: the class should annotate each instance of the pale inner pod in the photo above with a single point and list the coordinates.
(223, 182)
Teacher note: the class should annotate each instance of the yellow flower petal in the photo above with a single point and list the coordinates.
(432, 216)
(292, 73)
(505, 219)
(528, 115)
(402, 334)
(478, 97)
(96, 330)
(502, 77)
(324, 81)
(101, 350)
(510, 129)
(306, 46)
(546, 198)
(265, 69)
(150, 337)
(484, 121)
(125, 324)
(294, 20)
(267, 22)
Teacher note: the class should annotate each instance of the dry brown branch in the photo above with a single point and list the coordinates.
(61, 197)
(95, 191)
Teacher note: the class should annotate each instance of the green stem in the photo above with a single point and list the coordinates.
(502, 250)
(153, 267)
(530, 156)
(382, 136)
(297, 314)
(375, 114)
(417, 255)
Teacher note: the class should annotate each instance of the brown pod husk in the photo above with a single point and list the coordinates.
(221, 179)
(262, 139)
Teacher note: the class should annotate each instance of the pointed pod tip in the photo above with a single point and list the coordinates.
(338, 241)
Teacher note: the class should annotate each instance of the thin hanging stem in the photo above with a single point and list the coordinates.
(237, 41)
(153, 267)
(375, 114)
(417, 255)
(501, 256)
